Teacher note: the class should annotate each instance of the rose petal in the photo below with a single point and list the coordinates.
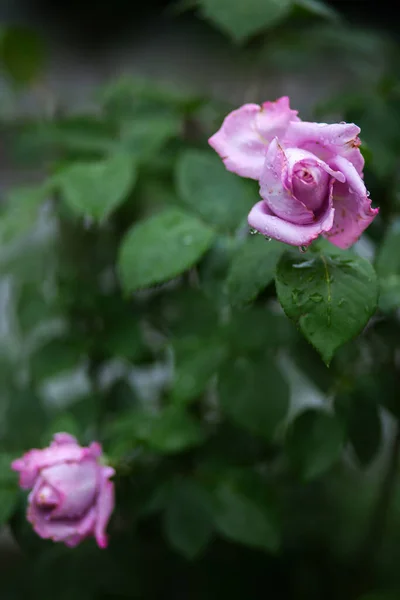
(275, 190)
(63, 448)
(353, 212)
(326, 141)
(312, 189)
(63, 438)
(61, 530)
(105, 507)
(75, 483)
(262, 219)
(246, 132)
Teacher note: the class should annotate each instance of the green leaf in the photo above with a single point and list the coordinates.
(256, 329)
(170, 431)
(22, 54)
(203, 183)
(245, 519)
(254, 394)
(196, 361)
(161, 247)
(252, 269)
(330, 297)
(144, 137)
(57, 356)
(188, 517)
(388, 268)
(389, 293)
(8, 501)
(8, 487)
(319, 9)
(241, 19)
(314, 442)
(388, 258)
(123, 338)
(364, 428)
(21, 209)
(96, 189)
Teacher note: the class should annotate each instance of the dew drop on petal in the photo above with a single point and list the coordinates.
(266, 237)
(253, 231)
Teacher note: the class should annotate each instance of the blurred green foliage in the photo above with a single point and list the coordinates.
(137, 310)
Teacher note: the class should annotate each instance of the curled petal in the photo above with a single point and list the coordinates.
(63, 438)
(275, 187)
(105, 506)
(61, 530)
(353, 211)
(326, 141)
(76, 484)
(244, 136)
(63, 448)
(262, 219)
(310, 184)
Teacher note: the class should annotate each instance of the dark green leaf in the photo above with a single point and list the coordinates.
(196, 361)
(330, 297)
(96, 189)
(314, 442)
(221, 198)
(243, 518)
(143, 137)
(254, 394)
(171, 430)
(255, 330)
(252, 269)
(243, 19)
(22, 54)
(57, 356)
(161, 247)
(8, 501)
(388, 258)
(21, 209)
(364, 427)
(318, 8)
(188, 517)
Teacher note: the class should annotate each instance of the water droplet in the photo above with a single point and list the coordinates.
(303, 249)
(304, 265)
(368, 194)
(266, 237)
(342, 122)
(316, 297)
(253, 231)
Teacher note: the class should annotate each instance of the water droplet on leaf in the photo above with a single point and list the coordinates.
(316, 297)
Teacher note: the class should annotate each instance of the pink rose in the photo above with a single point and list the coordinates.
(72, 497)
(310, 174)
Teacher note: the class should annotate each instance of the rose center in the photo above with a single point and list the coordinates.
(46, 497)
(310, 185)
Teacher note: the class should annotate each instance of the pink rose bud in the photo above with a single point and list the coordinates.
(310, 174)
(71, 495)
